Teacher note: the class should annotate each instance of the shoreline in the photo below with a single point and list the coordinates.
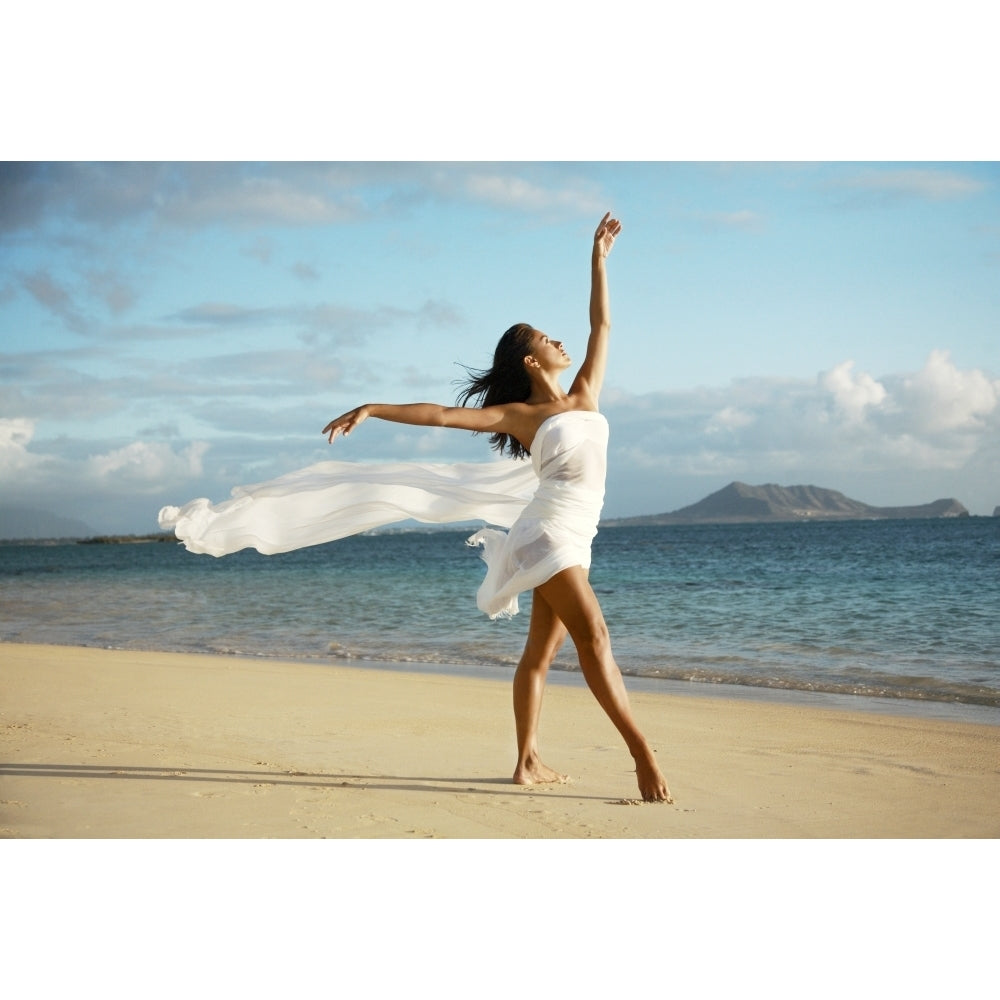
(917, 708)
(126, 744)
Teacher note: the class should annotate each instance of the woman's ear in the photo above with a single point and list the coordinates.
(530, 362)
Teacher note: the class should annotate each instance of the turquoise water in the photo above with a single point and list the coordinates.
(883, 609)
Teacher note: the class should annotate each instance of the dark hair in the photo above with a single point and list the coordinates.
(506, 381)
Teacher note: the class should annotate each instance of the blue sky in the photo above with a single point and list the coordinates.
(172, 330)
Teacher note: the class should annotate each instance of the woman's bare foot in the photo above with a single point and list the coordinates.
(652, 784)
(534, 772)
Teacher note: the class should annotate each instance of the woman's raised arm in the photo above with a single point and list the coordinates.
(590, 377)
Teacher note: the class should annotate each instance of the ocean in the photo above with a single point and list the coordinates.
(902, 611)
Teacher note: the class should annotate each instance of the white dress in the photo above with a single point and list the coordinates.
(555, 530)
(551, 505)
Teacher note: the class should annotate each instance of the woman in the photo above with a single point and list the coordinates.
(525, 410)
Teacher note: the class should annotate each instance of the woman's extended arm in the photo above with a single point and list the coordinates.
(469, 418)
(590, 377)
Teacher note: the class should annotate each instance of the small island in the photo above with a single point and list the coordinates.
(740, 503)
(159, 536)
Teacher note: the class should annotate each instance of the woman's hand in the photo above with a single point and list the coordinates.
(345, 423)
(604, 238)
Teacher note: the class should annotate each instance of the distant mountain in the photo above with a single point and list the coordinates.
(739, 502)
(28, 522)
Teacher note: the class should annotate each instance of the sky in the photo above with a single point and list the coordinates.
(171, 330)
(218, 232)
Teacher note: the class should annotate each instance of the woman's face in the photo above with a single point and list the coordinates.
(549, 353)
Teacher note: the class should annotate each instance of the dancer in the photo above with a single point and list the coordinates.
(526, 412)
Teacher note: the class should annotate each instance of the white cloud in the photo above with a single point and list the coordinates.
(145, 465)
(258, 200)
(940, 397)
(918, 182)
(933, 423)
(138, 467)
(285, 194)
(504, 187)
(852, 394)
(15, 436)
(15, 433)
(341, 323)
(729, 418)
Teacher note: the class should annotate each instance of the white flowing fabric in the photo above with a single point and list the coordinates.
(552, 506)
(332, 500)
(555, 530)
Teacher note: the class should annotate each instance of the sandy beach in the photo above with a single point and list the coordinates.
(118, 744)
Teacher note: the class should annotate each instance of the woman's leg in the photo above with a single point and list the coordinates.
(571, 598)
(546, 634)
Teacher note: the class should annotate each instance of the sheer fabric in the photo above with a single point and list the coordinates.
(332, 500)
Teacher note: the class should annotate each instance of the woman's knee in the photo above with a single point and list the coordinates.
(570, 594)
(591, 636)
